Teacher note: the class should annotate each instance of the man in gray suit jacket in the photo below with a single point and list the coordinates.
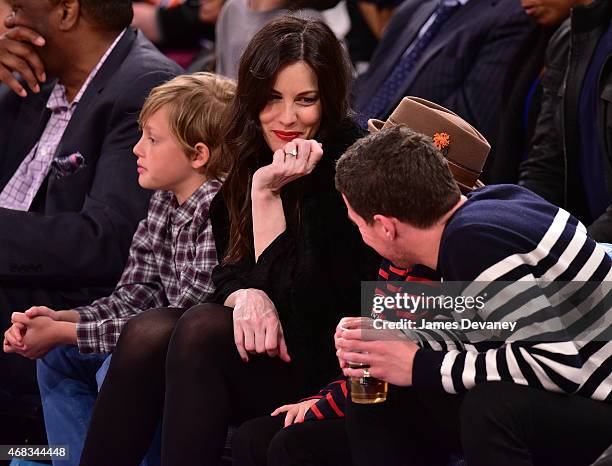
(69, 197)
(452, 52)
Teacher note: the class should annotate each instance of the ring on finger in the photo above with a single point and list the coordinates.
(292, 152)
(366, 373)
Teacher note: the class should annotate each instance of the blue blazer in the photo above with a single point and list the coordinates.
(463, 68)
(80, 226)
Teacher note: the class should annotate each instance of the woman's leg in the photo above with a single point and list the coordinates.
(130, 402)
(208, 386)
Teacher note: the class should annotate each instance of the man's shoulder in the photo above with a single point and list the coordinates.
(502, 208)
(143, 58)
(498, 223)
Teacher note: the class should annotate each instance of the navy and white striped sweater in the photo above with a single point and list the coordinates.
(506, 233)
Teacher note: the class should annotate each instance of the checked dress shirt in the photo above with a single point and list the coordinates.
(170, 264)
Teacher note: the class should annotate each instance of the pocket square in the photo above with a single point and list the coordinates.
(65, 165)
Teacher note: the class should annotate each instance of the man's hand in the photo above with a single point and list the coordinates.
(390, 356)
(41, 336)
(257, 328)
(295, 412)
(18, 54)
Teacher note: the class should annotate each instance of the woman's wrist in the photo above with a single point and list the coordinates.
(264, 194)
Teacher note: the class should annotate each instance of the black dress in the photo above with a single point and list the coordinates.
(312, 275)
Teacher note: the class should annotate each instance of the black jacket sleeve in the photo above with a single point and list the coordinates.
(544, 170)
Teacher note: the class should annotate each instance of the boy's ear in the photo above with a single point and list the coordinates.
(201, 156)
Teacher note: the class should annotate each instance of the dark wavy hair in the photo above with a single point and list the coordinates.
(281, 42)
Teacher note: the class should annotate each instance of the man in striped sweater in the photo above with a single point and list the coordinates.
(542, 395)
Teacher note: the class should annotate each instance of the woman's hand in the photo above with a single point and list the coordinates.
(295, 412)
(286, 167)
(257, 328)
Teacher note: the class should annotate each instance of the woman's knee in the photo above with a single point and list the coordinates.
(148, 333)
(203, 328)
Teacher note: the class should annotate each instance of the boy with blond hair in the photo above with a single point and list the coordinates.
(170, 262)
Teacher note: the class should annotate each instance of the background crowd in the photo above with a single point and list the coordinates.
(178, 157)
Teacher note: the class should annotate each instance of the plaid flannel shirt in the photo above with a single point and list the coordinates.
(170, 264)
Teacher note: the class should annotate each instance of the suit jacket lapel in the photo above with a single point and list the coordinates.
(394, 52)
(447, 34)
(29, 126)
(96, 86)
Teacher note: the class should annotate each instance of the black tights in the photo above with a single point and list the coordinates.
(183, 367)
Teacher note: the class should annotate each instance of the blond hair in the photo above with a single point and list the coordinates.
(195, 104)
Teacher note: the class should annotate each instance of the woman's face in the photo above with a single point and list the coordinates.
(294, 107)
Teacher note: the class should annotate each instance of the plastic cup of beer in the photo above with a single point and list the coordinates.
(365, 390)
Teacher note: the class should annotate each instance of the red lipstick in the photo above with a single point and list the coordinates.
(287, 136)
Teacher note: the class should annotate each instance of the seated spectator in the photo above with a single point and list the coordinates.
(570, 157)
(543, 401)
(522, 94)
(170, 262)
(291, 264)
(454, 52)
(240, 20)
(69, 200)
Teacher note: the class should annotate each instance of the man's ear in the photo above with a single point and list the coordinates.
(69, 13)
(201, 156)
(386, 226)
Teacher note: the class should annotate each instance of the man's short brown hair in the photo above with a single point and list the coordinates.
(195, 104)
(397, 173)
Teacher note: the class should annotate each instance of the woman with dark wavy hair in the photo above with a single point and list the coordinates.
(290, 267)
